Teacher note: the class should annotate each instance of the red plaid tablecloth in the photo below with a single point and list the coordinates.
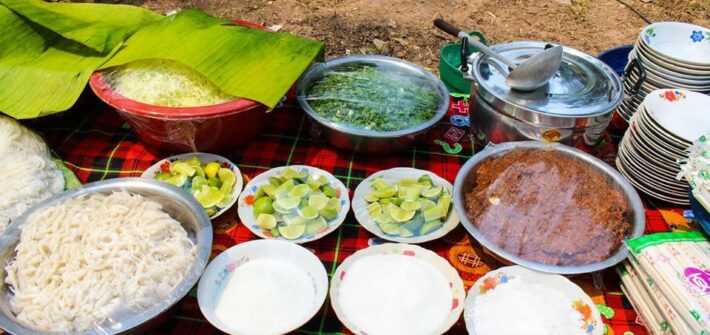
(96, 144)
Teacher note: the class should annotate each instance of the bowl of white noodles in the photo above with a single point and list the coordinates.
(106, 258)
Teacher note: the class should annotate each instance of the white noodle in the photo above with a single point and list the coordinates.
(27, 173)
(81, 262)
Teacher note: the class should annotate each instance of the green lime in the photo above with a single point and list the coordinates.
(294, 219)
(214, 182)
(334, 203)
(266, 221)
(389, 228)
(430, 227)
(386, 201)
(209, 196)
(380, 184)
(316, 181)
(399, 214)
(406, 182)
(383, 218)
(177, 180)
(289, 173)
(162, 176)
(386, 192)
(425, 180)
(225, 201)
(269, 190)
(410, 205)
(211, 169)
(316, 225)
(443, 205)
(278, 208)
(284, 188)
(199, 171)
(293, 231)
(404, 232)
(288, 202)
(194, 162)
(180, 167)
(318, 201)
(371, 197)
(226, 176)
(374, 209)
(274, 232)
(432, 213)
(259, 193)
(308, 212)
(410, 193)
(300, 190)
(329, 213)
(263, 205)
(426, 203)
(302, 176)
(328, 191)
(431, 192)
(275, 181)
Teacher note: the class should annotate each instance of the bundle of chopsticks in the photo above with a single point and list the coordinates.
(667, 280)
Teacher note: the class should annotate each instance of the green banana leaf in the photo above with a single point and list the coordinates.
(243, 62)
(40, 71)
(100, 27)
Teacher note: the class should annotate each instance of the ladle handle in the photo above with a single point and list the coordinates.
(452, 30)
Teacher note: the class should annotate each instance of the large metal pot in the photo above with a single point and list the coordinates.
(576, 105)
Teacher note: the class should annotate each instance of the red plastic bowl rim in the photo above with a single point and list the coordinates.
(102, 89)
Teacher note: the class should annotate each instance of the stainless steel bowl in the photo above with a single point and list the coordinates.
(465, 180)
(366, 141)
(179, 204)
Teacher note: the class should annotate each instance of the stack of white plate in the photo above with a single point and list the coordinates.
(664, 126)
(673, 55)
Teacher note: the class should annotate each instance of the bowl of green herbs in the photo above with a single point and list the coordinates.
(371, 104)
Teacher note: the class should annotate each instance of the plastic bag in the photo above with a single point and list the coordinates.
(696, 170)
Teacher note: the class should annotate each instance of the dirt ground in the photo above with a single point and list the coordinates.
(403, 28)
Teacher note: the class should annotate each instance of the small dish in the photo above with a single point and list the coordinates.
(683, 113)
(577, 298)
(218, 272)
(204, 158)
(437, 262)
(390, 176)
(682, 42)
(246, 201)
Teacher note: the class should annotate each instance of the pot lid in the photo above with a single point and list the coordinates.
(583, 86)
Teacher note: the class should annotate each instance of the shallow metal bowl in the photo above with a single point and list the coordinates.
(465, 181)
(368, 141)
(179, 204)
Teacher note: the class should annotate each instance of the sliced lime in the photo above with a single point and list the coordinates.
(284, 188)
(266, 221)
(390, 228)
(386, 201)
(425, 180)
(432, 213)
(293, 231)
(380, 184)
(316, 181)
(415, 223)
(371, 197)
(430, 227)
(227, 176)
(383, 218)
(198, 182)
(274, 232)
(328, 190)
(425, 204)
(259, 193)
(177, 180)
(334, 203)
(225, 201)
(308, 212)
(288, 173)
(406, 182)
(211, 169)
(386, 192)
(300, 190)
(294, 219)
(162, 176)
(374, 209)
(404, 232)
(318, 201)
(180, 167)
(443, 205)
(329, 213)
(263, 205)
(410, 193)
(194, 162)
(316, 225)
(288, 202)
(209, 196)
(275, 181)
(302, 176)
(214, 182)
(410, 205)
(269, 189)
(431, 192)
(199, 171)
(278, 208)
(210, 211)
(399, 214)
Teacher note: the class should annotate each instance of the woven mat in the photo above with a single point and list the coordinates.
(96, 144)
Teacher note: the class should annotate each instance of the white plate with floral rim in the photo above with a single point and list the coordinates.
(681, 42)
(391, 176)
(436, 263)
(580, 301)
(683, 113)
(163, 164)
(217, 274)
(246, 204)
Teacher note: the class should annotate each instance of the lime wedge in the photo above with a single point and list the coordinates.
(318, 201)
(302, 176)
(315, 226)
(308, 212)
(328, 190)
(380, 184)
(383, 218)
(278, 208)
(199, 171)
(284, 188)
(226, 176)
(225, 201)
(371, 197)
(399, 214)
(288, 173)
(426, 203)
(198, 182)
(266, 221)
(425, 180)
(275, 181)
(269, 190)
(443, 205)
(329, 213)
(263, 205)
(288, 202)
(432, 213)
(177, 180)
(180, 167)
(162, 176)
(386, 192)
(210, 211)
(259, 193)
(374, 209)
(316, 181)
(211, 169)
(389, 228)
(404, 232)
(334, 203)
(293, 231)
(214, 182)
(300, 190)
(430, 227)
(294, 219)
(226, 189)
(406, 182)
(386, 201)
(410, 193)
(209, 196)
(431, 192)
(194, 162)
(410, 205)
(274, 232)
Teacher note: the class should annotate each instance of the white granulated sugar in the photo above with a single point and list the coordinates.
(266, 296)
(518, 307)
(395, 294)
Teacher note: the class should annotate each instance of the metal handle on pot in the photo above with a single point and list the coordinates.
(634, 63)
(464, 55)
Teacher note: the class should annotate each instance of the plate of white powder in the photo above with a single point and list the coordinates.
(538, 303)
(397, 289)
(262, 287)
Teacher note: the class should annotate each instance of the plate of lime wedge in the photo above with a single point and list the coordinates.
(296, 203)
(213, 180)
(405, 205)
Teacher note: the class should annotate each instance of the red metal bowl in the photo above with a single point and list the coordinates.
(206, 128)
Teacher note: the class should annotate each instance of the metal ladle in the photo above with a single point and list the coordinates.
(529, 75)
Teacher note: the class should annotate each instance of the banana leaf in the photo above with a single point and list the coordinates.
(100, 27)
(243, 62)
